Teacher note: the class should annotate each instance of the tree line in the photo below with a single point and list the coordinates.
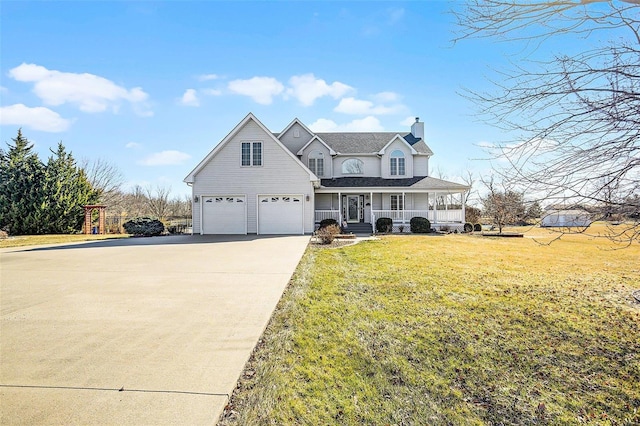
(47, 197)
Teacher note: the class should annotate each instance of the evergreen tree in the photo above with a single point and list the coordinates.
(66, 190)
(41, 199)
(21, 182)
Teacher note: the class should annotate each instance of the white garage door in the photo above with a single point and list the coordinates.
(280, 214)
(224, 215)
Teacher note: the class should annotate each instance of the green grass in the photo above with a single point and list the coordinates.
(36, 240)
(462, 330)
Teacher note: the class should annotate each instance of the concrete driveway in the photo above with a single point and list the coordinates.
(136, 331)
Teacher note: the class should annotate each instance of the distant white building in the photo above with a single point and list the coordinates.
(567, 219)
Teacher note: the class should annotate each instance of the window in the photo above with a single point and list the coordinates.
(251, 154)
(396, 163)
(316, 163)
(352, 166)
(397, 202)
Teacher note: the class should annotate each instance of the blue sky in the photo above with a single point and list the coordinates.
(153, 86)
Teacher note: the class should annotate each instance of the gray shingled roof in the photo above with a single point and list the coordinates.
(368, 142)
(417, 182)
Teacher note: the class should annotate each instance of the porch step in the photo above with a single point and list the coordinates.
(359, 228)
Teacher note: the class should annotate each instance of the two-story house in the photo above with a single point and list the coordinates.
(258, 182)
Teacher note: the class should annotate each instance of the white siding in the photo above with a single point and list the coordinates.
(408, 161)
(295, 144)
(371, 165)
(421, 165)
(323, 201)
(279, 174)
(328, 163)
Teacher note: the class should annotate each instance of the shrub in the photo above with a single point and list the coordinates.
(468, 227)
(144, 226)
(328, 233)
(420, 225)
(327, 222)
(384, 224)
(477, 227)
(3, 235)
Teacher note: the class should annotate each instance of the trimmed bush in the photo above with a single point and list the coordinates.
(144, 226)
(477, 227)
(420, 225)
(328, 222)
(328, 233)
(468, 227)
(384, 224)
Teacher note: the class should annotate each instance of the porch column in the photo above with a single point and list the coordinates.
(428, 212)
(340, 208)
(371, 206)
(464, 216)
(404, 206)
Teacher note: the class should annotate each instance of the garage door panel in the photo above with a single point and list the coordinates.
(224, 215)
(280, 214)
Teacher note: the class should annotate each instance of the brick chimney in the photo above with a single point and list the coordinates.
(417, 129)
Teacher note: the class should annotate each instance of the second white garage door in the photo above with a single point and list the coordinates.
(224, 215)
(280, 214)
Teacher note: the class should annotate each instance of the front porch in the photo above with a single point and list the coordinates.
(445, 210)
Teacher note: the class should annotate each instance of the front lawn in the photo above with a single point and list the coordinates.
(455, 329)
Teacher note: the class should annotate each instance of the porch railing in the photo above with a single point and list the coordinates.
(434, 216)
(328, 214)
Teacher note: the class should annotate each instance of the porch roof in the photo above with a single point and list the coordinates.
(423, 183)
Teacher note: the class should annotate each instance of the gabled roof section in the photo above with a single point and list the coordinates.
(286, 129)
(319, 139)
(369, 142)
(250, 117)
(401, 139)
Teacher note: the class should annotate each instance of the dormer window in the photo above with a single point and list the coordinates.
(316, 163)
(352, 166)
(396, 163)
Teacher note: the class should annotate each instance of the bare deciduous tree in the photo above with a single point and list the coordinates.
(106, 178)
(157, 200)
(503, 206)
(574, 119)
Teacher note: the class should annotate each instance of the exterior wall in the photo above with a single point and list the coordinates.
(279, 174)
(295, 144)
(420, 202)
(328, 161)
(323, 202)
(385, 171)
(371, 165)
(421, 165)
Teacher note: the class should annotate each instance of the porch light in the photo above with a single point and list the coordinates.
(196, 199)
(307, 197)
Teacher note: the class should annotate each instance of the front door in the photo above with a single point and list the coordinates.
(353, 208)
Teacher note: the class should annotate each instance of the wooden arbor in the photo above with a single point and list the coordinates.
(88, 211)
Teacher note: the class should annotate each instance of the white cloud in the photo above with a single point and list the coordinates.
(165, 158)
(307, 88)
(408, 121)
(207, 77)
(3, 89)
(38, 118)
(367, 124)
(361, 107)
(260, 89)
(190, 98)
(133, 145)
(91, 93)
